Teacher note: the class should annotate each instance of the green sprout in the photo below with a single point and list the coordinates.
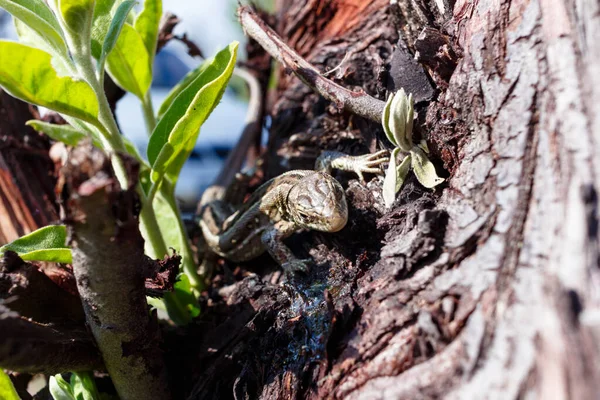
(397, 120)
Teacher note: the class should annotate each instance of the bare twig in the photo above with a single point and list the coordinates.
(359, 103)
(109, 265)
(165, 30)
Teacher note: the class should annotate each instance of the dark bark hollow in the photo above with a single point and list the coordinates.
(109, 265)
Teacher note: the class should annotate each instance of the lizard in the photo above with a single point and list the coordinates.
(293, 201)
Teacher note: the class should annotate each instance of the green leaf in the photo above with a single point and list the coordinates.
(59, 388)
(181, 86)
(7, 390)
(129, 64)
(177, 131)
(37, 16)
(77, 15)
(133, 151)
(424, 169)
(62, 133)
(27, 73)
(400, 120)
(394, 177)
(385, 120)
(61, 61)
(147, 24)
(402, 171)
(389, 182)
(44, 244)
(181, 305)
(83, 386)
(115, 30)
(104, 12)
(63, 256)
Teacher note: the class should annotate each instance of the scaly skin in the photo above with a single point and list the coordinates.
(291, 202)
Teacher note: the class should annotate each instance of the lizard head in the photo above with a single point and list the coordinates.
(317, 202)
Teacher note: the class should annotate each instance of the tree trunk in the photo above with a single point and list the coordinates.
(487, 287)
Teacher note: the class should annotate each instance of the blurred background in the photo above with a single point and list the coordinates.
(211, 25)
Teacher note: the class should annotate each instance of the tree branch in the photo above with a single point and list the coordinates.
(358, 103)
(109, 266)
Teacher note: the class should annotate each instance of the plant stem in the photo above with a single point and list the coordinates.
(189, 266)
(148, 111)
(113, 143)
(150, 228)
(359, 103)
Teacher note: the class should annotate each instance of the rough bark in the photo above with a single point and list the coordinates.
(485, 288)
(110, 266)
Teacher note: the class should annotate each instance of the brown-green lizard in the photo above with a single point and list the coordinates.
(293, 201)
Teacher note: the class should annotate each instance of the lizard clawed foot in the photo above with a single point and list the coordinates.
(293, 266)
(369, 163)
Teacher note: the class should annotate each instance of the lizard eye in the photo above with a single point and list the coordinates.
(304, 215)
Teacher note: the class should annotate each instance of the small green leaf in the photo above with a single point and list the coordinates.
(389, 182)
(395, 177)
(424, 169)
(129, 64)
(27, 73)
(44, 244)
(37, 16)
(60, 389)
(115, 30)
(147, 24)
(63, 256)
(401, 120)
(77, 15)
(62, 133)
(385, 120)
(177, 131)
(83, 386)
(402, 171)
(7, 389)
(104, 12)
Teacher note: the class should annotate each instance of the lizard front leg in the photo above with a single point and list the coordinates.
(272, 239)
(368, 163)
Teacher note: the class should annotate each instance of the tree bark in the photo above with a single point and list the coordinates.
(487, 287)
(26, 173)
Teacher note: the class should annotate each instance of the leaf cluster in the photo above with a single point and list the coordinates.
(397, 120)
(52, 66)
